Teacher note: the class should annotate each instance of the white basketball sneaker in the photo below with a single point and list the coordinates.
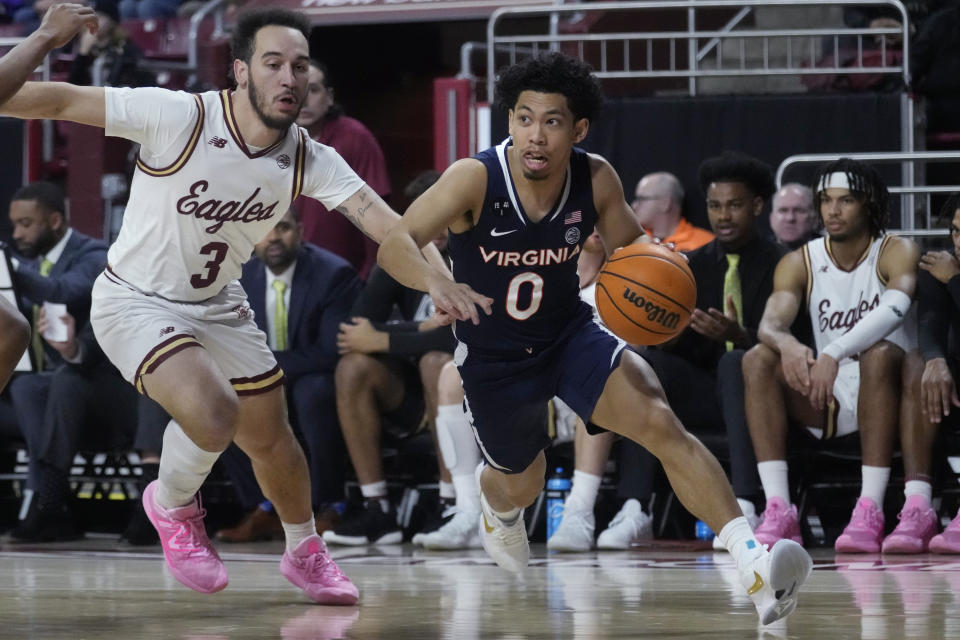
(460, 532)
(630, 524)
(505, 543)
(773, 580)
(575, 532)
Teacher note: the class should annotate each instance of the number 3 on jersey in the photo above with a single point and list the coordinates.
(513, 293)
(218, 251)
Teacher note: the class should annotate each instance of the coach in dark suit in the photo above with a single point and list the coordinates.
(299, 294)
(55, 264)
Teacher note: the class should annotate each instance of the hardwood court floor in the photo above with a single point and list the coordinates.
(95, 589)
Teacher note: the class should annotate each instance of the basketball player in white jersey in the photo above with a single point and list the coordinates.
(215, 172)
(60, 23)
(857, 283)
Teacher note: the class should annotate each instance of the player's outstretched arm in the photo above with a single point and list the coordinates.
(616, 222)
(450, 203)
(374, 217)
(60, 23)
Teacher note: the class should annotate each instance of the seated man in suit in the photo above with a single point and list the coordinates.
(300, 294)
(87, 402)
(57, 264)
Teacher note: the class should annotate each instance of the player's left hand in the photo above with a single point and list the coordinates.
(823, 373)
(458, 300)
(361, 336)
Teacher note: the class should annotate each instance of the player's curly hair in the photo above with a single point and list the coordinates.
(734, 166)
(250, 22)
(865, 184)
(552, 72)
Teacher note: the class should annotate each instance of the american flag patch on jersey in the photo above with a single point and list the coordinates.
(573, 217)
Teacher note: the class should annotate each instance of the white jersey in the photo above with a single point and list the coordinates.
(837, 299)
(201, 198)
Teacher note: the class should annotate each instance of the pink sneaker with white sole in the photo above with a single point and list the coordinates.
(865, 530)
(949, 540)
(190, 556)
(780, 522)
(918, 524)
(311, 568)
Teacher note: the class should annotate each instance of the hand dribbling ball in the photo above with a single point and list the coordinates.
(646, 293)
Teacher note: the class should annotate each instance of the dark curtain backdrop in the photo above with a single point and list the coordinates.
(641, 135)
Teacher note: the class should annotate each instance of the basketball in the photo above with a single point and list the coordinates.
(646, 293)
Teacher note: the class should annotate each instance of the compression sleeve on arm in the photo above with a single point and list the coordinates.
(873, 327)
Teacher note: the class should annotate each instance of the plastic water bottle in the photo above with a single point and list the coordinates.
(558, 486)
(703, 531)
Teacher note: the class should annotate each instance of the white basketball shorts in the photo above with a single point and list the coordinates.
(139, 331)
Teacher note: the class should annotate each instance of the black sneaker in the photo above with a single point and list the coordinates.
(441, 514)
(371, 525)
(46, 525)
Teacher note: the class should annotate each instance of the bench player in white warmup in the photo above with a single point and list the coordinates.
(216, 171)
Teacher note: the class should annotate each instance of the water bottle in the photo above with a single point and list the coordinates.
(703, 531)
(558, 486)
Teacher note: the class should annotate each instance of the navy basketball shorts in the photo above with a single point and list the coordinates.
(507, 392)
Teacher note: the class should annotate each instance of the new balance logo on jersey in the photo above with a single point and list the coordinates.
(825, 269)
(222, 211)
(165, 331)
(219, 143)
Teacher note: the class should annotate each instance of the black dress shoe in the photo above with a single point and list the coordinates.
(46, 525)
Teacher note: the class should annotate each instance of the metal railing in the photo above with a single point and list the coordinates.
(615, 50)
(908, 161)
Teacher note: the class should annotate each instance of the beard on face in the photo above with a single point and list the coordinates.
(40, 246)
(281, 259)
(258, 101)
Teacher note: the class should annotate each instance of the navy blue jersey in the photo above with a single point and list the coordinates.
(528, 268)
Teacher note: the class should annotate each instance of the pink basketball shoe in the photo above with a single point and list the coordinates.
(190, 556)
(918, 523)
(865, 530)
(780, 521)
(949, 540)
(311, 568)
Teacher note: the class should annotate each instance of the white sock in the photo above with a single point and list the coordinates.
(507, 517)
(376, 491)
(458, 446)
(583, 493)
(297, 533)
(918, 488)
(468, 493)
(738, 538)
(875, 481)
(775, 480)
(183, 468)
(747, 507)
(447, 492)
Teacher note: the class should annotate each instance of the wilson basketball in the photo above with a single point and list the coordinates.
(646, 293)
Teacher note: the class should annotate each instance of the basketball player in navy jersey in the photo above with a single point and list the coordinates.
(518, 215)
(60, 23)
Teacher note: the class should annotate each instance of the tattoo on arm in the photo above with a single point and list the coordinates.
(356, 216)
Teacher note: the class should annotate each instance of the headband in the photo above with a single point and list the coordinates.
(835, 180)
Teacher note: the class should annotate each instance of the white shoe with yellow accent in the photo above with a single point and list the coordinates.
(773, 580)
(505, 543)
